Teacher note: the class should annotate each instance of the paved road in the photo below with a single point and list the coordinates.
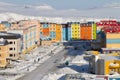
(45, 68)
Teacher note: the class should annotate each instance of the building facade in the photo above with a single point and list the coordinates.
(64, 32)
(4, 53)
(14, 45)
(75, 30)
(113, 40)
(104, 64)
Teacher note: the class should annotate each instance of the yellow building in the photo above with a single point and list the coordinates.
(75, 29)
(14, 45)
(104, 64)
(58, 35)
(4, 53)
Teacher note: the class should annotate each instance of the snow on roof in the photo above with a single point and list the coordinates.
(106, 57)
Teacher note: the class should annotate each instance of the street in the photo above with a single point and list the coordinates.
(44, 68)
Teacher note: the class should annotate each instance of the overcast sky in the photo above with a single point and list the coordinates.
(63, 8)
(66, 4)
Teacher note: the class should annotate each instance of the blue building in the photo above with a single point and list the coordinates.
(52, 35)
(68, 31)
(64, 32)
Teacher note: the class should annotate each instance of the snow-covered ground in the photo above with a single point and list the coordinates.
(31, 61)
(76, 66)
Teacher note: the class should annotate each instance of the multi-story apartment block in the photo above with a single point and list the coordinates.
(58, 32)
(112, 40)
(88, 31)
(75, 30)
(69, 32)
(109, 26)
(53, 32)
(44, 31)
(14, 45)
(29, 32)
(64, 32)
(4, 53)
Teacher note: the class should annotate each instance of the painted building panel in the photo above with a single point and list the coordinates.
(64, 32)
(75, 30)
(58, 32)
(94, 31)
(46, 31)
(113, 41)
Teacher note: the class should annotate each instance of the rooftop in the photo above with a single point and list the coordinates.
(3, 42)
(106, 57)
(6, 35)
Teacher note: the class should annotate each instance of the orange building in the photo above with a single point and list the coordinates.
(58, 32)
(45, 31)
(86, 31)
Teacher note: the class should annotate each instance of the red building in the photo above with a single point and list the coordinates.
(109, 26)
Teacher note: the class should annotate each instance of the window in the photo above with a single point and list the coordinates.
(11, 55)
(0, 48)
(14, 42)
(14, 55)
(10, 42)
(14, 48)
(10, 48)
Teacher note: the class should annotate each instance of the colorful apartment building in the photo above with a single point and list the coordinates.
(88, 31)
(69, 32)
(75, 30)
(14, 45)
(64, 32)
(103, 64)
(29, 35)
(109, 26)
(53, 32)
(113, 40)
(44, 31)
(58, 32)
(4, 53)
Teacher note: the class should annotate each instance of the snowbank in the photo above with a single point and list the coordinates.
(66, 70)
(52, 76)
(79, 59)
